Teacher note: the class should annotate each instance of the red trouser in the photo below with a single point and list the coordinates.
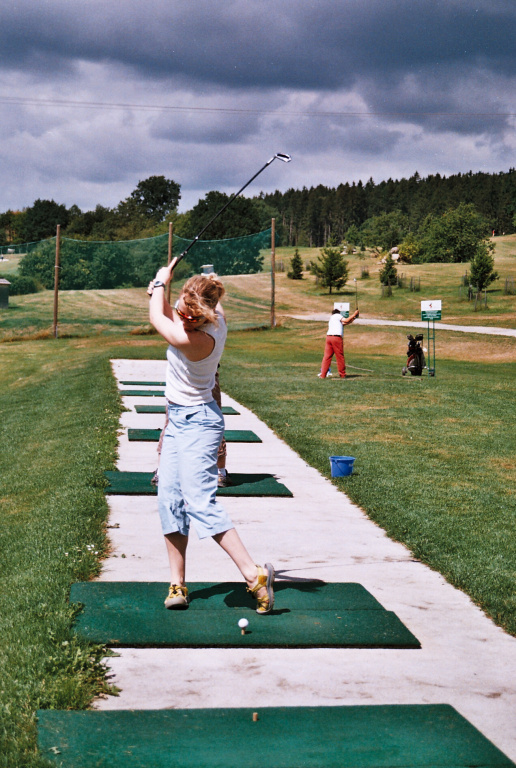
(334, 346)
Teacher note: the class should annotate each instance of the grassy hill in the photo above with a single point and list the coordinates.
(248, 298)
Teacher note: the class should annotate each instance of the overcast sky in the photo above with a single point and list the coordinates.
(97, 95)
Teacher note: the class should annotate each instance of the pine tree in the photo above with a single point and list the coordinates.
(331, 268)
(296, 267)
(389, 273)
(482, 271)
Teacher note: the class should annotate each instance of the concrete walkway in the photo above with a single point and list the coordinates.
(488, 330)
(465, 660)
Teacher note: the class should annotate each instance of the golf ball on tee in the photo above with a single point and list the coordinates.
(243, 623)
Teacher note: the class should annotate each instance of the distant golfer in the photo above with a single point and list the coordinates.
(196, 332)
(334, 343)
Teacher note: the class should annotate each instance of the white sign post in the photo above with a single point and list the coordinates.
(431, 311)
(343, 307)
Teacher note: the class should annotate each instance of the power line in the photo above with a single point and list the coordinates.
(61, 103)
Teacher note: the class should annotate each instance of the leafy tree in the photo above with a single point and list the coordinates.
(389, 273)
(7, 227)
(154, 198)
(410, 249)
(481, 270)
(296, 267)
(39, 264)
(241, 218)
(455, 236)
(91, 224)
(148, 259)
(353, 236)
(109, 267)
(331, 268)
(41, 219)
(83, 266)
(386, 230)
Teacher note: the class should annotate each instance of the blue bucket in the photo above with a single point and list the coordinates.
(341, 465)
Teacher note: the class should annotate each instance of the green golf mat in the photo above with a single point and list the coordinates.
(374, 736)
(142, 392)
(305, 615)
(143, 383)
(139, 484)
(227, 410)
(231, 435)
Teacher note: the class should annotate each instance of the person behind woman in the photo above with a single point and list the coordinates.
(196, 332)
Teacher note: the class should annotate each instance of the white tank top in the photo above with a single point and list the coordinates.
(190, 383)
(335, 326)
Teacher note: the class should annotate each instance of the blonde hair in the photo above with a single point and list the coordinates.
(201, 294)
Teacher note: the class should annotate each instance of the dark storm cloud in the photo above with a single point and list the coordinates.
(259, 43)
(411, 85)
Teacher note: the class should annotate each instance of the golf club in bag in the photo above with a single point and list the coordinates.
(278, 156)
(415, 356)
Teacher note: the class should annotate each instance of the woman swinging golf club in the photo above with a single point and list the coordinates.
(196, 332)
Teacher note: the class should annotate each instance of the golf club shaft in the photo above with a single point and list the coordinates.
(203, 230)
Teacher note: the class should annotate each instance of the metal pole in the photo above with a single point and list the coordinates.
(56, 278)
(431, 348)
(273, 273)
(170, 239)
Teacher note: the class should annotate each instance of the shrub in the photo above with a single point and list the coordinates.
(21, 285)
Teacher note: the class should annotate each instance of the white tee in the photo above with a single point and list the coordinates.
(335, 326)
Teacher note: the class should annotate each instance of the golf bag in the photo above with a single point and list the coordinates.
(415, 356)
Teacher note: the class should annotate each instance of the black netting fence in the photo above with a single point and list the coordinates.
(105, 264)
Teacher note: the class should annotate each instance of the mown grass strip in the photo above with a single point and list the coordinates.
(60, 410)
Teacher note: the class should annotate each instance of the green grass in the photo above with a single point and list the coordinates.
(435, 457)
(60, 410)
(435, 462)
(9, 263)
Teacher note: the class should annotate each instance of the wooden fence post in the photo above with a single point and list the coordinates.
(56, 278)
(273, 273)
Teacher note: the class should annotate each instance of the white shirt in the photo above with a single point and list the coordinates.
(191, 383)
(335, 326)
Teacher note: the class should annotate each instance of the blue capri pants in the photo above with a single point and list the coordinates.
(187, 484)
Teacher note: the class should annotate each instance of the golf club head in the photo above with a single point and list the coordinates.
(283, 156)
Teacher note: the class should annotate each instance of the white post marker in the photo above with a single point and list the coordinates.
(343, 307)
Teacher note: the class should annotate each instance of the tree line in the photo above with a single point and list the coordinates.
(307, 217)
(430, 219)
(311, 217)
(145, 213)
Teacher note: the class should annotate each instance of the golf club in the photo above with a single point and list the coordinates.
(356, 293)
(278, 156)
